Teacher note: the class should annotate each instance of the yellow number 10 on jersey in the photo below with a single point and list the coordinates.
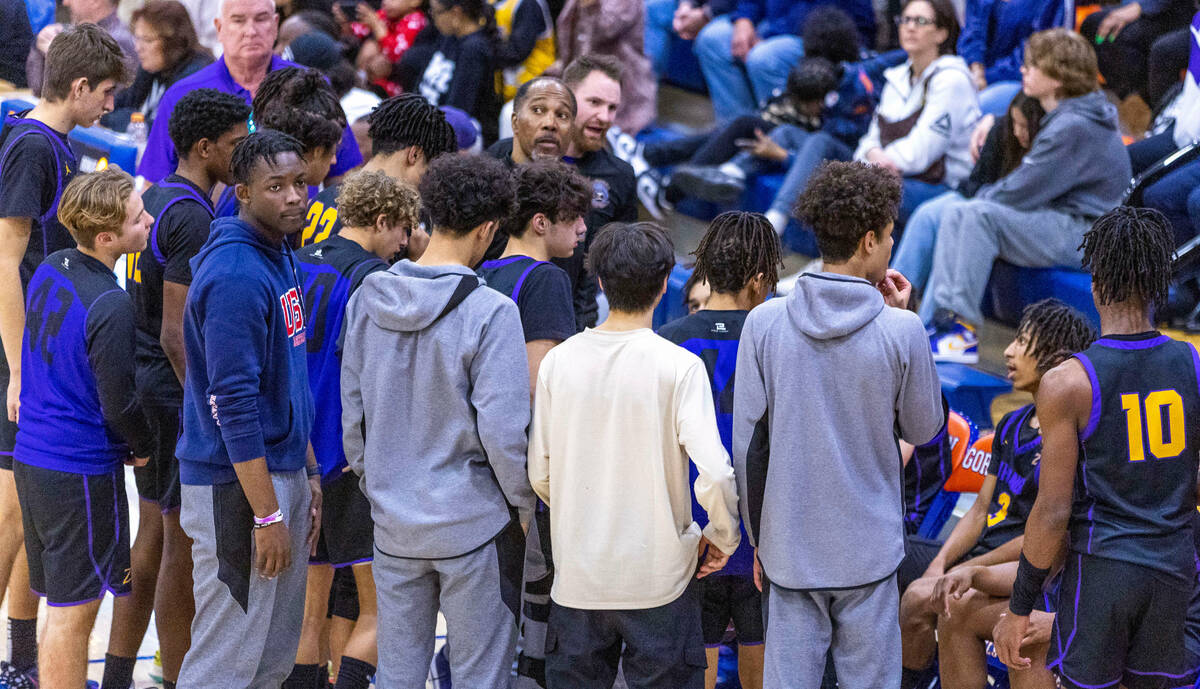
(1161, 446)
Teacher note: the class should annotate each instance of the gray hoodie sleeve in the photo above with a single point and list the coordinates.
(1041, 177)
(919, 400)
(751, 436)
(353, 415)
(500, 396)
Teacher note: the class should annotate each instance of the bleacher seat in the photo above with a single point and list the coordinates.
(8, 107)
(971, 391)
(671, 306)
(1011, 289)
(96, 147)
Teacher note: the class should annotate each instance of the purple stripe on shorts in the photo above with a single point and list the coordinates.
(365, 560)
(1133, 344)
(1160, 674)
(1094, 419)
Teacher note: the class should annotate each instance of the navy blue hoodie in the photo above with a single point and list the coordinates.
(246, 394)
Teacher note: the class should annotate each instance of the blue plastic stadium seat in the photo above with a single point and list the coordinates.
(971, 391)
(671, 306)
(1011, 289)
(95, 145)
(8, 107)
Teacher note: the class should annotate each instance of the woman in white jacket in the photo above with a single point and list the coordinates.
(927, 109)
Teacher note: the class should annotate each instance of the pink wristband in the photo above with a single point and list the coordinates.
(268, 520)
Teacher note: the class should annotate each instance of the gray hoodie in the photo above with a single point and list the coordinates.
(826, 378)
(1077, 163)
(435, 407)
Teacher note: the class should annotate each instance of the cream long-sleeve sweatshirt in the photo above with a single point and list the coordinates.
(616, 417)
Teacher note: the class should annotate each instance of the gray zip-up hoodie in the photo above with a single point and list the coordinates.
(1076, 164)
(826, 377)
(435, 408)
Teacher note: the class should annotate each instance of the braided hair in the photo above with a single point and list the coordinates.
(1129, 253)
(410, 120)
(1054, 332)
(263, 145)
(738, 246)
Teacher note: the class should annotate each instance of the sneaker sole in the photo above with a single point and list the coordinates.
(704, 189)
(957, 358)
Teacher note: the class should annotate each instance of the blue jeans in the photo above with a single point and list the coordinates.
(913, 256)
(995, 99)
(809, 149)
(736, 87)
(912, 194)
(1172, 195)
(657, 42)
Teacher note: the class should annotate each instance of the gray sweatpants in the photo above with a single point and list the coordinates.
(478, 593)
(246, 630)
(861, 626)
(974, 233)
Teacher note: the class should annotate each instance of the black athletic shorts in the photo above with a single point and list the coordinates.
(343, 595)
(1119, 623)
(347, 532)
(76, 533)
(158, 481)
(8, 429)
(725, 598)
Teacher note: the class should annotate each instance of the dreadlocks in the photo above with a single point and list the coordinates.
(409, 120)
(1129, 253)
(738, 246)
(1054, 331)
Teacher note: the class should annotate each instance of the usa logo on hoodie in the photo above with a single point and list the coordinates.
(293, 315)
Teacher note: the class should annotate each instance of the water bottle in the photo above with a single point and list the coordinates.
(138, 132)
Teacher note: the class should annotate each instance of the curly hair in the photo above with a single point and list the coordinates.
(263, 145)
(813, 78)
(845, 201)
(549, 187)
(95, 202)
(410, 120)
(1129, 252)
(1066, 57)
(631, 260)
(1054, 332)
(300, 102)
(368, 194)
(204, 114)
(737, 247)
(461, 192)
(829, 32)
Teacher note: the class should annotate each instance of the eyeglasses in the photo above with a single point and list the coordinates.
(919, 21)
(146, 40)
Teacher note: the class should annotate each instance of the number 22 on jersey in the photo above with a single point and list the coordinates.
(1145, 427)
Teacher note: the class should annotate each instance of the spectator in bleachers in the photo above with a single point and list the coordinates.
(1124, 37)
(682, 18)
(746, 55)
(612, 29)
(321, 52)
(16, 37)
(927, 109)
(993, 43)
(526, 46)
(1007, 142)
(102, 13)
(247, 29)
(305, 22)
(41, 14)
(167, 50)
(460, 70)
(991, 532)
(386, 34)
(1075, 171)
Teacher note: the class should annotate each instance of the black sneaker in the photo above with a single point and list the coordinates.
(707, 183)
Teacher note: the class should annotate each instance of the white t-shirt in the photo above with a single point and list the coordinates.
(616, 416)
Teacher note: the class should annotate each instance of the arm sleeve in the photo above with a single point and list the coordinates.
(949, 102)
(987, 168)
(539, 435)
(235, 309)
(715, 488)
(1151, 8)
(1006, 67)
(751, 434)
(919, 400)
(1038, 180)
(974, 32)
(470, 72)
(501, 402)
(186, 231)
(528, 24)
(27, 178)
(158, 159)
(870, 140)
(617, 18)
(353, 414)
(748, 9)
(547, 312)
(110, 347)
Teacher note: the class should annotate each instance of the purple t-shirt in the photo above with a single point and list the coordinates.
(159, 159)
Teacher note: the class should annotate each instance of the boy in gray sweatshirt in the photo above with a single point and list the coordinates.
(827, 378)
(435, 405)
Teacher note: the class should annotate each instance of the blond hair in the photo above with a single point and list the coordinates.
(368, 194)
(1066, 57)
(95, 203)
